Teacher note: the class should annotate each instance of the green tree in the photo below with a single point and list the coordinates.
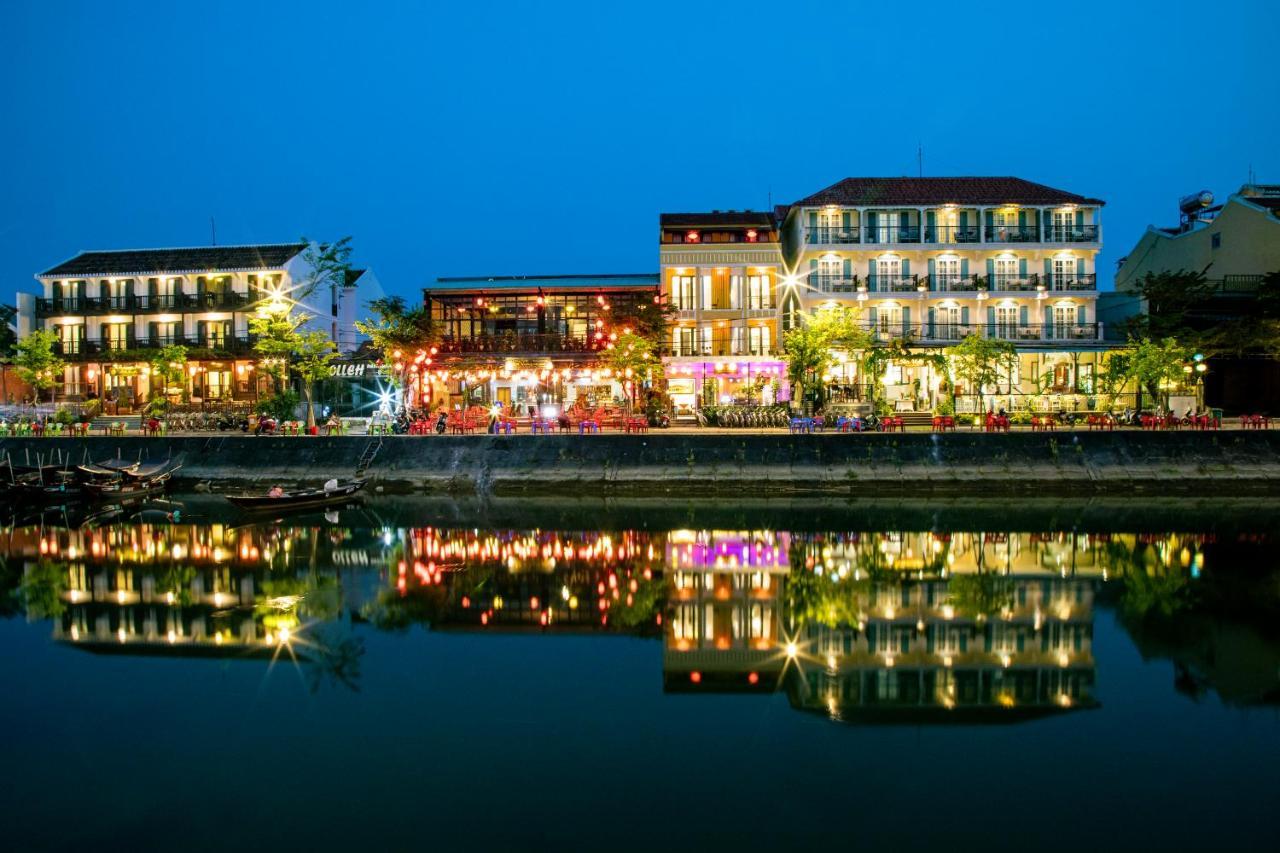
(650, 320)
(978, 361)
(1157, 366)
(276, 333)
(812, 348)
(327, 266)
(1170, 298)
(1256, 332)
(313, 354)
(394, 326)
(634, 359)
(169, 368)
(37, 363)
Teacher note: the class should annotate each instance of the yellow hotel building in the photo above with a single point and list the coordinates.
(720, 273)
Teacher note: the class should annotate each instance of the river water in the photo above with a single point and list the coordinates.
(403, 674)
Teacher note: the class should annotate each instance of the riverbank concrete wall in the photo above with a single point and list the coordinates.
(757, 466)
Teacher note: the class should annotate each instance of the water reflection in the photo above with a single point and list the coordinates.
(867, 626)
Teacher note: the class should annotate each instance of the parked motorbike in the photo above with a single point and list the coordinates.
(266, 426)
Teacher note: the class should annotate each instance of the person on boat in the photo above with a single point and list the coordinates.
(276, 492)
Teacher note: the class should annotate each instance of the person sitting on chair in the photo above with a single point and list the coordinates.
(276, 492)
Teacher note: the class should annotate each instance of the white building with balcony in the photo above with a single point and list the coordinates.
(929, 261)
(112, 310)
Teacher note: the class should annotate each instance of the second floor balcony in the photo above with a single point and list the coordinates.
(954, 283)
(145, 303)
(950, 235)
(113, 348)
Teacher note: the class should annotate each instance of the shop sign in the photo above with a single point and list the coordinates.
(355, 370)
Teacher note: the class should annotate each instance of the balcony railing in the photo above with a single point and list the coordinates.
(827, 235)
(1017, 332)
(1071, 234)
(892, 234)
(513, 343)
(833, 283)
(1011, 234)
(949, 283)
(831, 235)
(717, 347)
(144, 302)
(893, 283)
(951, 234)
(90, 347)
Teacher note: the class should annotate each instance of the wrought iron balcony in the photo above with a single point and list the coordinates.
(1071, 234)
(1011, 234)
(144, 303)
(951, 234)
(827, 235)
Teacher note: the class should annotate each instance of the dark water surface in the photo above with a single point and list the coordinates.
(543, 676)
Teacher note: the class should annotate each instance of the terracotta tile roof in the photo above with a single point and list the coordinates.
(194, 260)
(913, 191)
(723, 218)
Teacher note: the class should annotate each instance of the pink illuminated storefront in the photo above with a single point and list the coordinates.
(695, 383)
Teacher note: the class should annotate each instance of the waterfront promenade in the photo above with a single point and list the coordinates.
(731, 463)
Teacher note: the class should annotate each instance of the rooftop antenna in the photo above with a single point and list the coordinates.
(920, 159)
(213, 231)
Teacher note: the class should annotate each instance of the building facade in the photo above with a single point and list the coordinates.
(1235, 245)
(720, 275)
(113, 310)
(528, 342)
(929, 261)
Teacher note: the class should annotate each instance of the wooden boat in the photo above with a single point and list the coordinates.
(121, 484)
(337, 493)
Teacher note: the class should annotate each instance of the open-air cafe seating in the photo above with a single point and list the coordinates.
(943, 423)
(997, 423)
(1255, 422)
(1043, 423)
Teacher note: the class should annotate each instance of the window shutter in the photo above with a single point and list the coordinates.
(906, 268)
(932, 273)
(964, 267)
(1048, 272)
(932, 323)
(906, 321)
(848, 268)
(964, 315)
(846, 220)
(1022, 267)
(871, 315)
(153, 332)
(1079, 218)
(813, 272)
(1080, 315)
(813, 219)
(991, 219)
(872, 236)
(1048, 321)
(1023, 317)
(871, 274)
(1022, 219)
(991, 321)
(964, 219)
(991, 272)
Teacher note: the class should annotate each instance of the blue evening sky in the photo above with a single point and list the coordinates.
(502, 138)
